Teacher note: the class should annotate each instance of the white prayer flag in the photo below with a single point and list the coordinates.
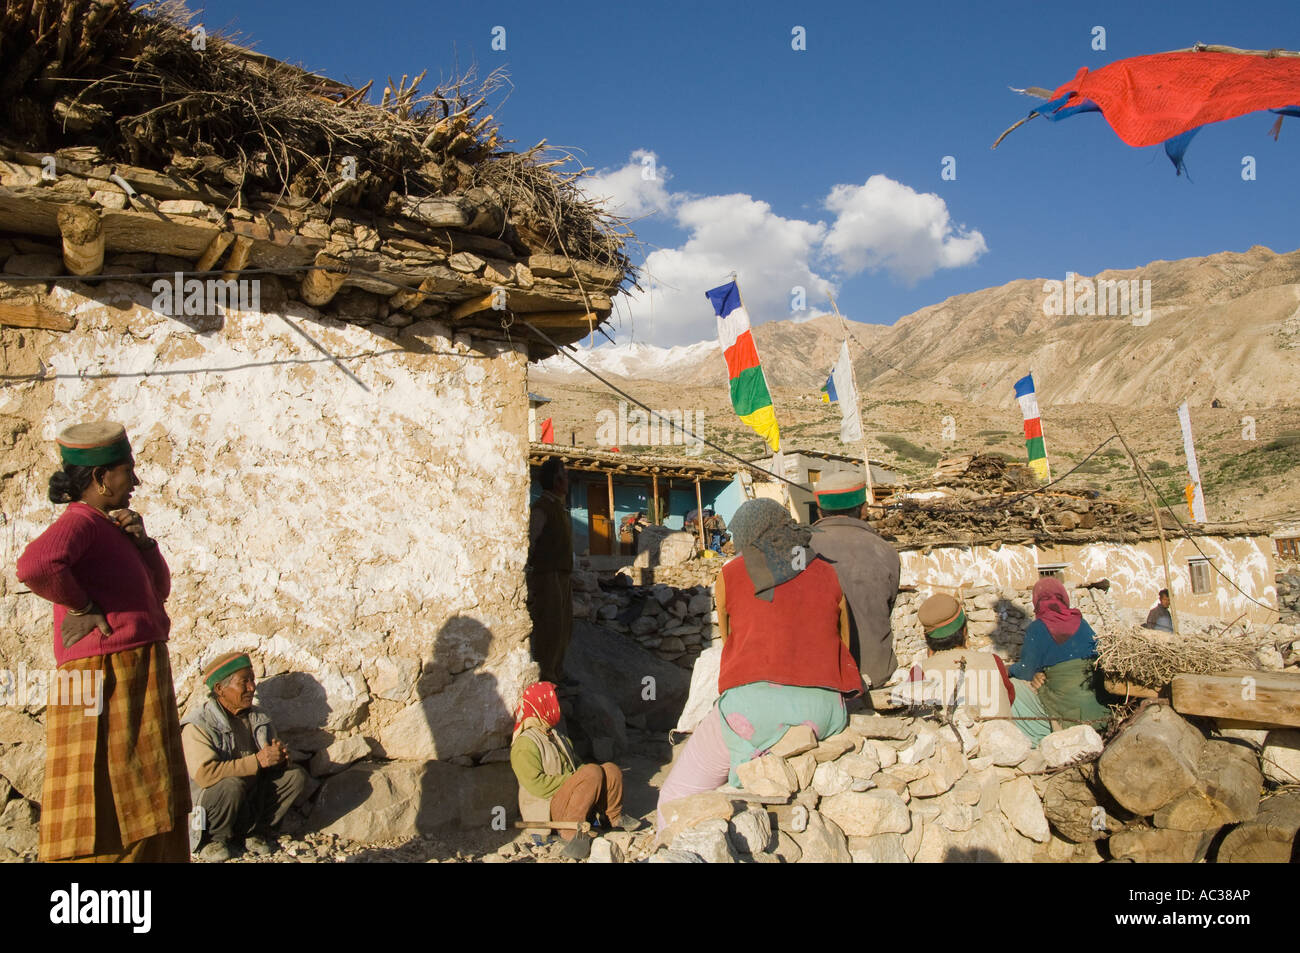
(1193, 471)
(847, 396)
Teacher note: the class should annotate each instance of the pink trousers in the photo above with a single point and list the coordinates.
(703, 765)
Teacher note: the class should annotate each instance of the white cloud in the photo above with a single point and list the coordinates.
(635, 190)
(880, 225)
(885, 224)
(771, 256)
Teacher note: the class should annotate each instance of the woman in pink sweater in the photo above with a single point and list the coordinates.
(108, 582)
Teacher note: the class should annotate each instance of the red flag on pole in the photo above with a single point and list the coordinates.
(548, 431)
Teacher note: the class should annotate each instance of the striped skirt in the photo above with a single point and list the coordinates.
(116, 787)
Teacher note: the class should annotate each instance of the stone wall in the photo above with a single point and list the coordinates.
(347, 503)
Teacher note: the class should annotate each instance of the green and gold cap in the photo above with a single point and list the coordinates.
(223, 666)
(941, 616)
(98, 444)
(845, 490)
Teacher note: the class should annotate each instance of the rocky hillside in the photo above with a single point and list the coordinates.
(1224, 328)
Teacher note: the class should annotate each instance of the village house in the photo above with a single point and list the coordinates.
(980, 523)
(606, 486)
(336, 465)
(808, 467)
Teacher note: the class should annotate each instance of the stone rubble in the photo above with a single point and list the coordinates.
(995, 801)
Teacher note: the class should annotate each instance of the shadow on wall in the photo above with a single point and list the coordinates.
(299, 709)
(430, 781)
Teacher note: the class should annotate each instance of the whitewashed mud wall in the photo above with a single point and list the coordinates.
(362, 532)
(1135, 571)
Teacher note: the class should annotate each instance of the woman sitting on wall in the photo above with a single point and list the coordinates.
(1057, 661)
(785, 657)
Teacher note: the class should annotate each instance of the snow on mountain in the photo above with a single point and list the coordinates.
(641, 361)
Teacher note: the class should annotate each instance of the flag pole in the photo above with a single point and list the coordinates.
(866, 460)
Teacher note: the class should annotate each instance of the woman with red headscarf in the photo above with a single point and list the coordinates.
(1058, 656)
(553, 783)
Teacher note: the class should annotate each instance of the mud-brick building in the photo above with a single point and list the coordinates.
(309, 312)
(988, 524)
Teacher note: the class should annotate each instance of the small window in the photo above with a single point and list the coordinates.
(1288, 547)
(1200, 570)
(814, 476)
(1054, 570)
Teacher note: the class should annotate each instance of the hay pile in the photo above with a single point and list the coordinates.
(131, 83)
(1151, 657)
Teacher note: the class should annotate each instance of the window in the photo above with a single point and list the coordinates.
(1054, 570)
(1288, 547)
(814, 476)
(1200, 570)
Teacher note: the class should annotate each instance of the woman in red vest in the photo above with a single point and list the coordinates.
(785, 657)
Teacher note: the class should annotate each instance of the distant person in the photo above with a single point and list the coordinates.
(715, 530)
(629, 530)
(550, 565)
(868, 569)
(241, 779)
(1159, 616)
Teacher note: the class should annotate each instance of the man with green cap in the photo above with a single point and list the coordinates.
(868, 569)
(240, 775)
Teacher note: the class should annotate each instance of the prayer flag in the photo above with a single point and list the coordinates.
(1196, 501)
(548, 431)
(841, 383)
(749, 394)
(1028, 400)
(828, 389)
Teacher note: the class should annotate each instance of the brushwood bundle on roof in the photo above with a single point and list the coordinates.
(985, 500)
(416, 200)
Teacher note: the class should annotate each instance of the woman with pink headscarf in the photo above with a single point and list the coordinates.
(1057, 659)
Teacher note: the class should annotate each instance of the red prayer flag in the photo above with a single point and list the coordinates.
(548, 431)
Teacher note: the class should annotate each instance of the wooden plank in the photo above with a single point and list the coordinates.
(1275, 701)
(31, 315)
(472, 306)
(561, 319)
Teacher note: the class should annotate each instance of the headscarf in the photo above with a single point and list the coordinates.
(766, 536)
(1052, 608)
(538, 701)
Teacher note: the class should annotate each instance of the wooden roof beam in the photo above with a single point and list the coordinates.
(83, 239)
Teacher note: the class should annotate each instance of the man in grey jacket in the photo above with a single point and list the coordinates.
(868, 569)
(241, 780)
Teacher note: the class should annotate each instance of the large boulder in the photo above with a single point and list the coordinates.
(637, 681)
(380, 803)
(661, 546)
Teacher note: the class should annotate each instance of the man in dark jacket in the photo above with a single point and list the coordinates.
(868, 569)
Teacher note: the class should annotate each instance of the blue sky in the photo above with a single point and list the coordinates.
(821, 168)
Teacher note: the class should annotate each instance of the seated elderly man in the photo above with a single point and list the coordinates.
(241, 781)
